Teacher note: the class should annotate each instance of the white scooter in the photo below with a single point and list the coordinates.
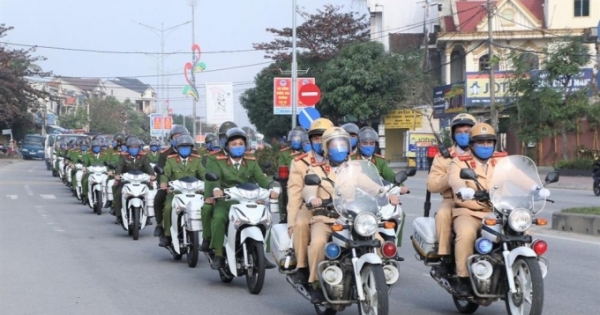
(61, 167)
(78, 178)
(392, 216)
(133, 200)
(249, 226)
(186, 218)
(150, 196)
(97, 187)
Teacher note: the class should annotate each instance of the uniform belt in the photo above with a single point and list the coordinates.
(326, 213)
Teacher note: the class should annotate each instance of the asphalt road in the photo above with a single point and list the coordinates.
(56, 257)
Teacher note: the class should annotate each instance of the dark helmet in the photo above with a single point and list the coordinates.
(184, 140)
(133, 142)
(209, 138)
(154, 143)
(96, 143)
(351, 128)
(305, 139)
(178, 130)
(119, 137)
(236, 132)
(367, 134)
(225, 127)
(296, 132)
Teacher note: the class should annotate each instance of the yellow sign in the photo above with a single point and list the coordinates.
(403, 119)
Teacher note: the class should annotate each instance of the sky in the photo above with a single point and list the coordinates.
(221, 27)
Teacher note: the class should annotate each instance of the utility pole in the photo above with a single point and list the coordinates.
(294, 68)
(193, 3)
(493, 109)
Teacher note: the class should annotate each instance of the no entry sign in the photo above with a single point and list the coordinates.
(309, 94)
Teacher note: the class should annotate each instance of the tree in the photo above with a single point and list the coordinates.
(17, 96)
(107, 115)
(75, 120)
(321, 37)
(363, 81)
(543, 107)
(138, 123)
(258, 102)
(189, 121)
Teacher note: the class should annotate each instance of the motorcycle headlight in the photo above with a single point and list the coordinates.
(365, 224)
(519, 220)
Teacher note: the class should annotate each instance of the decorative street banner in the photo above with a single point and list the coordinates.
(584, 79)
(478, 87)
(155, 125)
(219, 102)
(282, 91)
(190, 69)
(403, 119)
(448, 100)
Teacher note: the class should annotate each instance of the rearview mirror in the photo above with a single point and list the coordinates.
(411, 171)
(552, 177)
(312, 180)
(212, 177)
(468, 173)
(400, 177)
(159, 170)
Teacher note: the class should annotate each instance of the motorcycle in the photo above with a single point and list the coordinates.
(186, 227)
(392, 215)
(78, 178)
(153, 189)
(596, 185)
(134, 202)
(96, 196)
(507, 263)
(249, 226)
(358, 267)
(61, 168)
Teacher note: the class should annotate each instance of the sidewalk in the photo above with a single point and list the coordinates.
(565, 182)
(6, 161)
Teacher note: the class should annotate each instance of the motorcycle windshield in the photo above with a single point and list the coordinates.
(514, 184)
(358, 188)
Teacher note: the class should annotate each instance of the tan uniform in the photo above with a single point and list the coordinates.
(298, 216)
(437, 182)
(468, 214)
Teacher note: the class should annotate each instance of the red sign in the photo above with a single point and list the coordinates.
(282, 94)
(309, 94)
(167, 123)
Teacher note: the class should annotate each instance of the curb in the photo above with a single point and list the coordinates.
(575, 222)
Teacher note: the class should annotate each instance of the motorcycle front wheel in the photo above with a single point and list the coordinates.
(135, 227)
(193, 249)
(255, 276)
(529, 283)
(375, 291)
(98, 203)
(596, 189)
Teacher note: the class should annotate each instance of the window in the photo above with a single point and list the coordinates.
(484, 63)
(582, 8)
(508, 18)
(530, 61)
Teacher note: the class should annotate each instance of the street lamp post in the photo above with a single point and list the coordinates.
(193, 4)
(294, 67)
(161, 35)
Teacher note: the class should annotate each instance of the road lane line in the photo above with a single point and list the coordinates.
(28, 190)
(13, 197)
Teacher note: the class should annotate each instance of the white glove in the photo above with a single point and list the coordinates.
(466, 193)
(542, 193)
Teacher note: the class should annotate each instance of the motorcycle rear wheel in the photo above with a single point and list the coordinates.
(255, 277)
(375, 290)
(322, 310)
(464, 306)
(596, 189)
(193, 249)
(530, 288)
(98, 203)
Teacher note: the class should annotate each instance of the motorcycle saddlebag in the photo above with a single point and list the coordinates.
(424, 237)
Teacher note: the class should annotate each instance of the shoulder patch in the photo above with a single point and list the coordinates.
(172, 155)
(379, 155)
(465, 157)
(284, 149)
(214, 152)
(195, 155)
(500, 154)
(165, 150)
(124, 153)
(301, 156)
(249, 157)
(222, 157)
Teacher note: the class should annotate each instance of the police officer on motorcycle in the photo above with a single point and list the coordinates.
(286, 155)
(352, 130)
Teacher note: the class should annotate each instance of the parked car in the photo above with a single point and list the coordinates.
(32, 146)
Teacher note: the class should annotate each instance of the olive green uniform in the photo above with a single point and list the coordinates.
(75, 156)
(126, 164)
(229, 175)
(207, 209)
(153, 157)
(286, 156)
(89, 160)
(60, 153)
(176, 168)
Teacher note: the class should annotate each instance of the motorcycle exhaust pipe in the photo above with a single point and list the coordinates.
(391, 274)
(333, 275)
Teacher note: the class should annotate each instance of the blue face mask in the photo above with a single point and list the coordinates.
(482, 152)
(306, 147)
(84, 148)
(134, 151)
(173, 142)
(367, 150)
(209, 147)
(296, 145)
(123, 148)
(337, 155)
(184, 151)
(237, 151)
(154, 148)
(462, 139)
(318, 148)
(114, 144)
(96, 149)
(353, 142)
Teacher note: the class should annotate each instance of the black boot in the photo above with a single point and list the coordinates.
(218, 263)
(316, 296)
(159, 231)
(165, 241)
(205, 247)
(148, 221)
(112, 211)
(108, 204)
(463, 288)
(301, 276)
(443, 269)
(269, 265)
(119, 220)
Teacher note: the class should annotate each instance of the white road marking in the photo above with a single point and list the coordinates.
(48, 196)
(48, 218)
(13, 197)
(28, 190)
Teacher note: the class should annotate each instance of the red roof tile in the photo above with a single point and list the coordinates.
(70, 101)
(536, 7)
(449, 24)
(470, 13)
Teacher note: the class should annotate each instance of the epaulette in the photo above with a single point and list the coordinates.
(248, 157)
(165, 150)
(123, 153)
(300, 157)
(296, 153)
(195, 155)
(222, 157)
(214, 152)
(465, 157)
(500, 154)
(379, 155)
(142, 153)
(284, 149)
(173, 155)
